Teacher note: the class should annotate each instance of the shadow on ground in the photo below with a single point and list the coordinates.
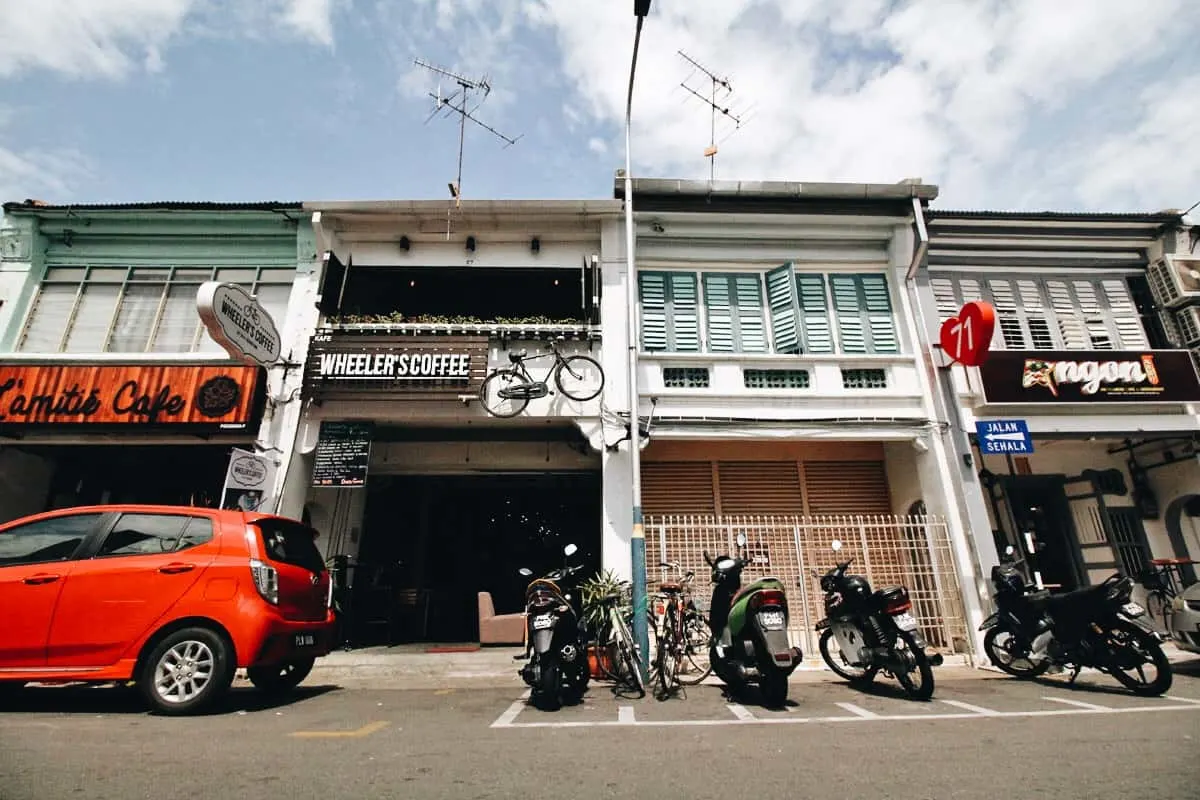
(122, 699)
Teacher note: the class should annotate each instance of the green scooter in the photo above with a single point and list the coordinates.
(750, 639)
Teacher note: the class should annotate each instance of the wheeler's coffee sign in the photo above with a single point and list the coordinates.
(219, 396)
(237, 322)
(1041, 376)
(364, 366)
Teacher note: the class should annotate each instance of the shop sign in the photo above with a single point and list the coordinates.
(239, 323)
(249, 481)
(220, 396)
(1048, 376)
(967, 336)
(349, 366)
(343, 454)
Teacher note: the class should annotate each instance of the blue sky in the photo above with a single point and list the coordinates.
(1016, 104)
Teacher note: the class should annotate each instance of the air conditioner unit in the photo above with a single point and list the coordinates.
(1188, 320)
(1170, 328)
(1175, 280)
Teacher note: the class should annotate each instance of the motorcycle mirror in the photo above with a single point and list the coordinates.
(570, 550)
(741, 540)
(525, 571)
(836, 545)
(1008, 551)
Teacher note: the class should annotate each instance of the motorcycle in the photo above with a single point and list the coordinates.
(749, 628)
(557, 671)
(1033, 631)
(874, 631)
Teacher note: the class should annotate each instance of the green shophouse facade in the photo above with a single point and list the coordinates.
(110, 388)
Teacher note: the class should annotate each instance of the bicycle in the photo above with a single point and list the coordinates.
(1163, 583)
(682, 635)
(614, 636)
(515, 385)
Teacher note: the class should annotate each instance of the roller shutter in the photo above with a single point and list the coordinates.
(846, 487)
(677, 487)
(759, 487)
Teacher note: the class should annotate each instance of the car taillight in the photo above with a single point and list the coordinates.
(266, 580)
(898, 606)
(768, 597)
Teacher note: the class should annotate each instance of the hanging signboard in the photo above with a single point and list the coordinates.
(249, 481)
(343, 454)
(1106, 376)
(238, 322)
(967, 336)
(391, 367)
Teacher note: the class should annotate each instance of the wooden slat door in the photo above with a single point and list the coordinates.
(759, 487)
(847, 487)
(678, 487)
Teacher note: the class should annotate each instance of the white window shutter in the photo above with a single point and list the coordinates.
(48, 321)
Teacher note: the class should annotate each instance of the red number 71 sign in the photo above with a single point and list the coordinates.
(967, 337)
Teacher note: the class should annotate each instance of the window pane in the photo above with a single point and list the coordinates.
(66, 274)
(245, 277)
(291, 543)
(93, 317)
(54, 539)
(107, 275)
(135, 320)
(177, 328)
(287, 276)
(275, 300)
(198, 531)
(143, 534)
(51, 310)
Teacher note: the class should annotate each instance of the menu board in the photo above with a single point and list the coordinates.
(343, 454)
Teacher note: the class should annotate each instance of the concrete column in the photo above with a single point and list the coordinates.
(616, 550)
(615, 547)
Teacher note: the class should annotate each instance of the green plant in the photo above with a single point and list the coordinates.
(596, 588)
(397, 318)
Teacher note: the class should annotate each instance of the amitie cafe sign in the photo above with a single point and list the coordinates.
(365, 365)
(211, 396)
(1112, 376)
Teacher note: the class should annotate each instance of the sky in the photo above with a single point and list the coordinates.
(1073, 105)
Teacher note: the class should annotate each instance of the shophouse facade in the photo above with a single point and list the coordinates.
(1095, 315)
(111, 390)
(785, 387)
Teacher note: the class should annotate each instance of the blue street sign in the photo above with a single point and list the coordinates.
(1001, 436)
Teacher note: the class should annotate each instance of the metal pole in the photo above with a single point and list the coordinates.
(638, 535)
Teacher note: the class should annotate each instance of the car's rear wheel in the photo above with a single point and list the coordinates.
(187, 672)
(279, 678)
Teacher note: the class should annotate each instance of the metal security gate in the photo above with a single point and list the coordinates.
(913, 551)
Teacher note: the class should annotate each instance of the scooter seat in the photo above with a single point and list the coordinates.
(670, 586)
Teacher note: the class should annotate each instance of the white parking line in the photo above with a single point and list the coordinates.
(980, 710)
(1182, 699)
(506, 719)
(741, 712)
(625, 715)
(858, 711)
(1076, 703)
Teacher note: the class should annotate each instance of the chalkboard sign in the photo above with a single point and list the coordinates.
(343, 454)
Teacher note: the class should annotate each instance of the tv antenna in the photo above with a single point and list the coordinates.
(458, 102)
(719, 86)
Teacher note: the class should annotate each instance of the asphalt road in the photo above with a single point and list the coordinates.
(979, 738)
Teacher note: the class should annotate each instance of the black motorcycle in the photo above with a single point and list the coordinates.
(557, 671)
(873, 631)
(1034, 631)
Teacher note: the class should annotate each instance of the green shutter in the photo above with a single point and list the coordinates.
(880, 320)
(684, 321)
(751, 327)
(653, 287)
(718, 307)
(814, 311)
(784, 305)
(846, 302)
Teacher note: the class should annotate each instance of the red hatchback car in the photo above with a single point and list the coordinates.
(175, 599)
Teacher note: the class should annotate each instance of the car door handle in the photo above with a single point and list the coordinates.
(41, 578)
(175, 568)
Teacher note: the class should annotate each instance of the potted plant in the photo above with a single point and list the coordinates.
(592, 591)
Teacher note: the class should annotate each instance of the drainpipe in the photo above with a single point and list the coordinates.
(962, 544)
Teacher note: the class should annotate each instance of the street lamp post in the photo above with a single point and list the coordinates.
(638, 536)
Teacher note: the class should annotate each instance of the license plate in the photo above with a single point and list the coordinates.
(540, 623)
(771, 620)
(305, 640)
(1133, 609)
(905, 621)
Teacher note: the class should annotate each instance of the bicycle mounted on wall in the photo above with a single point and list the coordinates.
(507, 391)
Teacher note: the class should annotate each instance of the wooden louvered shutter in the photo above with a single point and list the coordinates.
(751, 327)
(684, 316)
(653, 291)
(847, 487)
(759, 487)
(878, 303)
(1070, 326)
(784, 304)
(814, 308)
(718, 307)
(677, 487)
(1124, 315)
(849, 319)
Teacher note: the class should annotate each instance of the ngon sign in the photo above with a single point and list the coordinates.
(239, 323)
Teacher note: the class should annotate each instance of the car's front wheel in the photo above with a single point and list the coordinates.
(279, 678)
(187, 671)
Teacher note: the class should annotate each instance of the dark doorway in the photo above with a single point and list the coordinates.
(1040, 508)
(435, 542)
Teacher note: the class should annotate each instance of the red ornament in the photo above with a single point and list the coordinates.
(967, 337)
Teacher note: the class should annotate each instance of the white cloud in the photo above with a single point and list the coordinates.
(311, 19)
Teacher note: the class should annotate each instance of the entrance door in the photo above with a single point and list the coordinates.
(1040, 509)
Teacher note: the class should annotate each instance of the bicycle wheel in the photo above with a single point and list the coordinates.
(498, 381)
(627, 653)
(696, 665)
(584, 377)
(1158, 607)
(668, 657)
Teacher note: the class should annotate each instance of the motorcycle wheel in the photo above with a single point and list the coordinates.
(1145, 649)
(774, 688)
(547, 694)
(720, 670)
(996, 651)
(924, 690)
(859, 676)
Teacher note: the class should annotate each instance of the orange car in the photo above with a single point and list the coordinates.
(173, 598)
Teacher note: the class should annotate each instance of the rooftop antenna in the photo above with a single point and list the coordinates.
(715, 108)
(458, 102)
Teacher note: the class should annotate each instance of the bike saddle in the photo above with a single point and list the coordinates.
(517, 356)
(670, 586)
